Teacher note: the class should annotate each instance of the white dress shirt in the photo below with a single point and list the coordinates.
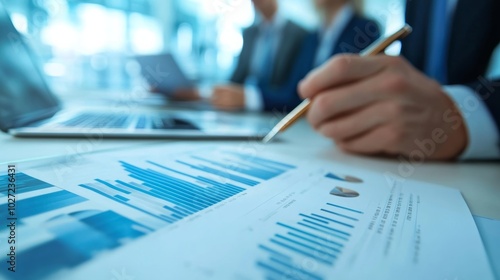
(481, 129)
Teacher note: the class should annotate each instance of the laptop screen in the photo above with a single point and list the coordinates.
(24, 94)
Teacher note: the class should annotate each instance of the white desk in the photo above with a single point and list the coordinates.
(478, 182)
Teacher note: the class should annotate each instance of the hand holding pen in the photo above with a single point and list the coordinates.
(382, 105)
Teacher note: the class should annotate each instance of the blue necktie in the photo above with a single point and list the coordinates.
(436, 66)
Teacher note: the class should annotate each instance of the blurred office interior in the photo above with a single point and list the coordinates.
(90, 44)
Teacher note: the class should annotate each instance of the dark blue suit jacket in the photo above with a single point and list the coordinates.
(474, 34)
(358, 34)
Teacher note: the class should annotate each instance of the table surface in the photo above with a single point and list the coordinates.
(479, 182)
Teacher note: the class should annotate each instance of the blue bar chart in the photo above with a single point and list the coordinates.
(76, 235)
(297, 249)
(77, 228)
(173, 193)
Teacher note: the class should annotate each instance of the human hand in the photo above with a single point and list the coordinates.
(186, 94)
(383, 105)
(228, 97)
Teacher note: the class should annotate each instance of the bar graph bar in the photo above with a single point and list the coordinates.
(316, 238)
(47, 202)
(247, 169)
(24, 184)
(79, 237)
(165, 192)
(76, 235)
(346, 178)
(168, 198)
(54, 198)
(262, 161)
(173, 191)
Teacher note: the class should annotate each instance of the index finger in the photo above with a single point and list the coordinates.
(340, 70)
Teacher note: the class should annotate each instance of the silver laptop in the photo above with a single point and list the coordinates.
(28, 108)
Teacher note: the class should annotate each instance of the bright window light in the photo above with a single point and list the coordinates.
(60, 35)
(20, 22)
(94, 28)
(146, 34)
(54, 69)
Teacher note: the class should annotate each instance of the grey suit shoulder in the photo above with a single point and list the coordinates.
(288, 48)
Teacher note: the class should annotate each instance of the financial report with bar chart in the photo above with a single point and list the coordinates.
(209, 212)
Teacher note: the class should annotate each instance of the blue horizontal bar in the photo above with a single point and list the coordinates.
(183, 193)
(229, 187)
(310, 234)
(180, 196)
(261, 160)
(173, 210)
(185, 185)
(265, 248)
(332, 220)
(345, 208)
(340, 215)
(333, 176)
(313, 218)
(274, 270)
(122, 197)
(176, 200)
(177, 216)
(24, 184)
(316, 250)
(251, 171)
(44, 203)
(323, 231)
(214, 171)
(188, 175)
(166, 189)
(328, 228)
(123, 202)
(314, 242)
(302, 252)
(112, 186)
(163, 182)
(182, 210)
(221, 173)
(161, 196)
(309, 274)
(170, 219)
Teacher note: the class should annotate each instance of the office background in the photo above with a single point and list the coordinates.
(90, 44)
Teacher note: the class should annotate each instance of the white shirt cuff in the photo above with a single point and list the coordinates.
(253, 97)
(481, 129)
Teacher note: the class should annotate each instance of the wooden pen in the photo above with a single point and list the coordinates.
(375, 48)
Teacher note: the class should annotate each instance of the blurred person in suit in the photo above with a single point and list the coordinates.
(269, 48)
(436, 104)
(342, 29)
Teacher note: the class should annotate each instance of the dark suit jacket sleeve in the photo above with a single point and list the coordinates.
(289, 46)
(474, 34)
(293, 35)
(285, 98)
(243, 65)
(489, 91)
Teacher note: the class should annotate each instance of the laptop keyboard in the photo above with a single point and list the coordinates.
(171, 123)
(93, 120)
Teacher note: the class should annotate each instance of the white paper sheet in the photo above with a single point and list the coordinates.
(207, 212)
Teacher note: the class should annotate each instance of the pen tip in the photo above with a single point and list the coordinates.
(269, 137)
